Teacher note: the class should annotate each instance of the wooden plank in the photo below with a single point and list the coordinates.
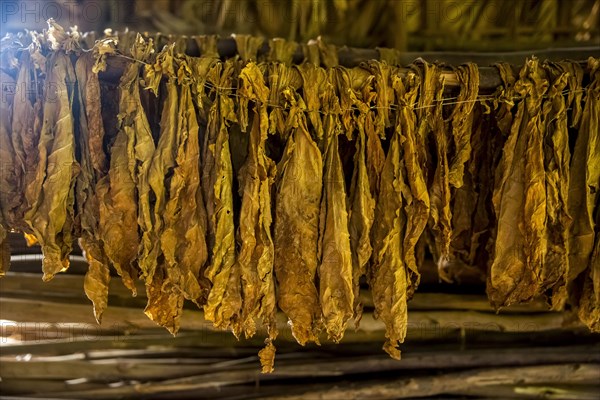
(71, 286)
(126, 319)
(161, 369)
(404, 386)
(98, 372)
(422, 386)
(540, 391)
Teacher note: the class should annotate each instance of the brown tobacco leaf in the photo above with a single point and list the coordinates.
(247, 46)
(473, 220)
(383, 95)
(207, 45)
(174, 224)
(400, 217)
(163, 305)
(439, 191)
(462, 121)
(120, 200)
(165, 302)
(256, 252)
(8, 192)
(224, 299)
(416, 196)
(336, 286)
(588, 304)
(282, 50)
(183, 240)
(584, 181)
(282, 80)
(299, 187)
(51, 214)
(91, 128)
(557, 158)
(315, 84)
(584, 197)
(118, 213)
(26, 126)
(362, 212)
(335, 267)
(267, 357)
(520, 199)
(389, 282)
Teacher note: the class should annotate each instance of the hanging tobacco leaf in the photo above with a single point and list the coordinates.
(400, 217)
(52, 196)
(584, 254)
(256, 254)
(336, 284)
(26, 127)
(520, 198)
(183, 240)
(297, 207)
(91, 130)
(224, 299)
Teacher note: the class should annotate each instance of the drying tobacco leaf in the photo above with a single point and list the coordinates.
(207, 45)
(432, 133)
(520, 198)
(8, 186)
(117, 193)
(52, 196)
(317, 53)
(588, 306)
(26, 127)
(256, 252)
(432, 89)
(183, 240)
(461, 120)
(382, 94)
(362, 212)
(346, 80)
(315, 83)
(7, 167)
(556, 164)
(584, 198)
(362, 198)
(224, 299)
(397, 226)
(165, 303)
(174, 248)
(91, 130)
(415, 194)
(473, 219)
(585, 177)
(282, 50)
(336, 284)
(247, 46)
(282, 81)
(375, 155)
(267, 357)
(297, 206)
(8, 181)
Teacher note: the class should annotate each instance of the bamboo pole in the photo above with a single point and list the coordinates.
(353, 57)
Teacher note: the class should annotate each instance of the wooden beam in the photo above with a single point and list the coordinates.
(422, 324)
(422, 386)
(24, 285)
